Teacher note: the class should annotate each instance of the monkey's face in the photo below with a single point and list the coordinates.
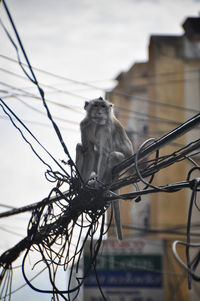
(98, 111)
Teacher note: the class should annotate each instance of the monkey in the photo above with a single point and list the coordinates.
(104, 145)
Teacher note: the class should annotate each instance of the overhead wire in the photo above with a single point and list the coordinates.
(6, 109)
(37, 123)
(146, 75)
(76, 123)
(70, 121)
(44, 85)
(10, 231)
(41, 112)
(33, 79)
(114, 91)
(153, 119)
(25, 93)
(39, 220)
(167, 230)
(137, 97)
(192, 245)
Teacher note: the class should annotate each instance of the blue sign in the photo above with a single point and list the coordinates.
(137, 279)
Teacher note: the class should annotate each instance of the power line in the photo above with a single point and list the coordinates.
(149, 101)
(93, 86)
(46, 228)
(31, 95)
(77, 130)
(157, 74)
(105, 90)
(151, 117)
(158, 231)
(34, 80)
(40, 124)
(54, 74)
(44, 85)
(40, 112)
(167, 138)
(79, 96)
(11, 114)
(11, 231)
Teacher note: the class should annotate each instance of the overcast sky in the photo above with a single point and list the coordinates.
(83, 40)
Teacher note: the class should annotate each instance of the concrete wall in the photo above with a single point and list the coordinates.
(157, 96)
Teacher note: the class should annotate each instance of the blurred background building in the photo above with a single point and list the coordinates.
(159, 95)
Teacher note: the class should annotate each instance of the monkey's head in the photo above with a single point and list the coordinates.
(98, 110)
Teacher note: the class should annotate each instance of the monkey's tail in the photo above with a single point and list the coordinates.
(116, 209)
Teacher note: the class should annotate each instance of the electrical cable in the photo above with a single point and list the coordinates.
(139, 98)
(192, 245)
(5, 107)
(153, 119)
(175, 133)
(148, 184)
(25, 93)
(40, 124)
(34, 80)
(40, 112)
(53, 220)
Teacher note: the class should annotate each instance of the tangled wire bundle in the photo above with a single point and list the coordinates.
(74, 212)
(61, 224)
(50, 232)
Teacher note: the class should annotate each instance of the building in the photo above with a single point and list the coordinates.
(151, 99)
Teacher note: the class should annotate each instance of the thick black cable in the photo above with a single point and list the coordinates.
(148, 184)
(167, 138)
(17, 51)
(194, 186)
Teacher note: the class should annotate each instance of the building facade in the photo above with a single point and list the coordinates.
(151, 99)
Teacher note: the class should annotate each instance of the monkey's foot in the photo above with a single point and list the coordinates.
(92, 182)
(95, 183)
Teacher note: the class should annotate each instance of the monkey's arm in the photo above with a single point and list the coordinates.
(104, 146)
(85, 156)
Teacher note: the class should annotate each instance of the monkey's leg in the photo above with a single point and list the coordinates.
(79, 157)
(85, 161)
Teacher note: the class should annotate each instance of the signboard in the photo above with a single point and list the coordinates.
(128, 270)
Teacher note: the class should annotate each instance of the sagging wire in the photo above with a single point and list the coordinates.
(33, 79)
(191, 266)
(46, 227)
(148, 184)
(196, 260)
(49, 229)
(7, 110)
(194, 188)
(114, 92)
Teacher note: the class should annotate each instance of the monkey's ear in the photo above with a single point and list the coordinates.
(86, 104)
